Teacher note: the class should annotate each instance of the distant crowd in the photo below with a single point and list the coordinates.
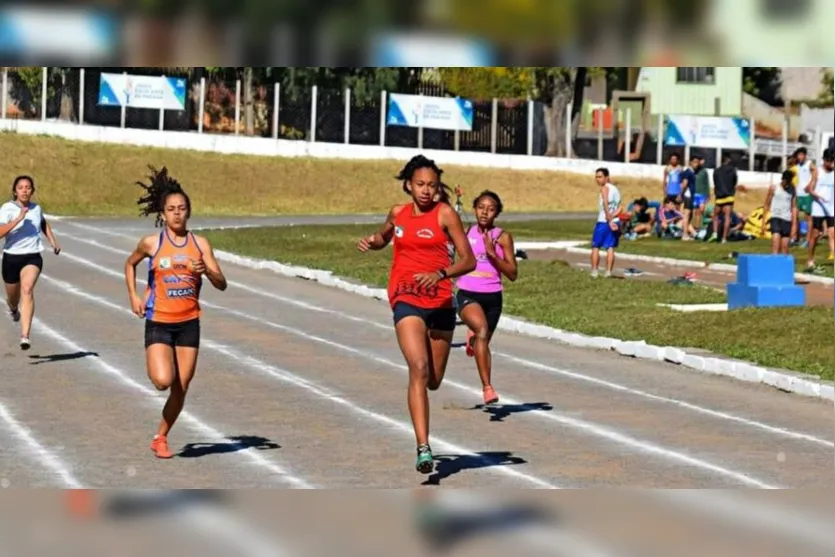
(686, 212)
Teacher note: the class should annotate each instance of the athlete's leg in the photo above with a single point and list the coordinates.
(411, 337)
(184, 366)
(13, 299)
(28, 278)
(812, 237)
(595, 259)
(438, 343)
(474, 317)
(161, 364)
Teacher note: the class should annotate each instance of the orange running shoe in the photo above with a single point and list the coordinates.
(490, 396)
(470, 338)
(159, 445)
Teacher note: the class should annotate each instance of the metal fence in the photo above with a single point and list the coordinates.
(321, 115)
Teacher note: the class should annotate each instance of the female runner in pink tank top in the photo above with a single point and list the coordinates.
(480, 292)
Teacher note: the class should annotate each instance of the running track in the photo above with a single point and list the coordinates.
(300, 385)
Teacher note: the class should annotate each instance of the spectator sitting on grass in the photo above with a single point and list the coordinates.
(669, 219)
(640, 221)
(737, 223)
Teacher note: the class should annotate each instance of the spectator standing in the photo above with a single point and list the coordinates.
(607, 229)
(725, 181)
(702, 195)
(672, 179)
(807, 175)
(822, 192)
(688, 186)
(781, 202)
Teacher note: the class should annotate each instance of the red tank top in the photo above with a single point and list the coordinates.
(420, 246)
(173, 291)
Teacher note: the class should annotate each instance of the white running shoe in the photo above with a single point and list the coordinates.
(25, 344)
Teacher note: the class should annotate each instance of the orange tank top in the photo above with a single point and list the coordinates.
(173, 291)
(420, 246)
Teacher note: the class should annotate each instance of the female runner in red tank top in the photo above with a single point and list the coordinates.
(178, 259)
(420, 290)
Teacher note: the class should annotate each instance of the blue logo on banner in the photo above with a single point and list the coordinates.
(107, 97)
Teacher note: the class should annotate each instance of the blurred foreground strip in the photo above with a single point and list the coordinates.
(420, 523)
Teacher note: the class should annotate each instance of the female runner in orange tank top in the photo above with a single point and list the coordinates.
(178, 260)
(420, 290)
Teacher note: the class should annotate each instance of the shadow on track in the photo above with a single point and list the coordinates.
(231, 445)
(60, 357)
(449, 465)
(498, 412)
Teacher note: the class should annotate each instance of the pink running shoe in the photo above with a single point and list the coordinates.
(490, 396)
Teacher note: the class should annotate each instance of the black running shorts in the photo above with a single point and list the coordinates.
(13, 264)
(491, 304)
(185, 334)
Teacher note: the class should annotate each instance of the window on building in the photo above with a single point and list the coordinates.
(696, 75)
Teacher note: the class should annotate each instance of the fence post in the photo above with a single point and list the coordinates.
(457, 137)
(44, 78)
(202, 108)
(383, 99)
(237, 106)
(276, 99)
(601, 115)
(659, 148)
(530, 125)
(124, 106)
(420, 128)
(162, 115)
(314, 93)
(752, 149)
(627, 139)
(5, 92)
(785, 142)
(347, 115)
(494, 125)
(81, 98)
(568, 149)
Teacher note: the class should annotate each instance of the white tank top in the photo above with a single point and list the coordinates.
(826, 189)
(804, 176)
(614, 201)
(781, 204)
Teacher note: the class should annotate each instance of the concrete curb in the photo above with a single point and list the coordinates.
(636, 349)
(725, 267)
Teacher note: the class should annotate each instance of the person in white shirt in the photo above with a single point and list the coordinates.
(607, 229)
(21, 224)
(823, 209)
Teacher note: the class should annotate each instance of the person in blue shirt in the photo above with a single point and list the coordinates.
(688, 189)
(672, 179)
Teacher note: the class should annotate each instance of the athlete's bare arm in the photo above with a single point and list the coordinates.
(451, 223)
(47, 230)
(383, 236)
(210, 267)
(507, 265)
(143, 249)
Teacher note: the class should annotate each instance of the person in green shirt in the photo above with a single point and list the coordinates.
(702, 197)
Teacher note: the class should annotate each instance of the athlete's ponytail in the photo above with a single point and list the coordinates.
(162, 185)
(420, 161)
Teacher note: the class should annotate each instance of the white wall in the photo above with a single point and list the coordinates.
(231, 144)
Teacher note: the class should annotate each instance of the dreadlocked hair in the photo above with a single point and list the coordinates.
(418, 162)
(162, 186)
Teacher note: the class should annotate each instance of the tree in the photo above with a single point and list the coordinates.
(555, 87)
(826, 94)
(763, 83)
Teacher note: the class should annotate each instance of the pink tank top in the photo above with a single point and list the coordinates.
(486, 278)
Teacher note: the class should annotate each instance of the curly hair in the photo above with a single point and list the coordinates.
(162, 186)
(418, 162)
(492, 195)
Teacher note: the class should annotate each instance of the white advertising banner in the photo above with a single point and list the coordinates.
(721, 132)
(442, 113)
(142, 91)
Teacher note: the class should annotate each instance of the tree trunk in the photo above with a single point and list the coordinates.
(556, 120)
(249, 116)
(67, 97)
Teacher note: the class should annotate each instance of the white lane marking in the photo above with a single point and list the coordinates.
(187, 416)
(293, 379)
(667, 400)
(581, 425)
(527, 363)
(44, 457)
